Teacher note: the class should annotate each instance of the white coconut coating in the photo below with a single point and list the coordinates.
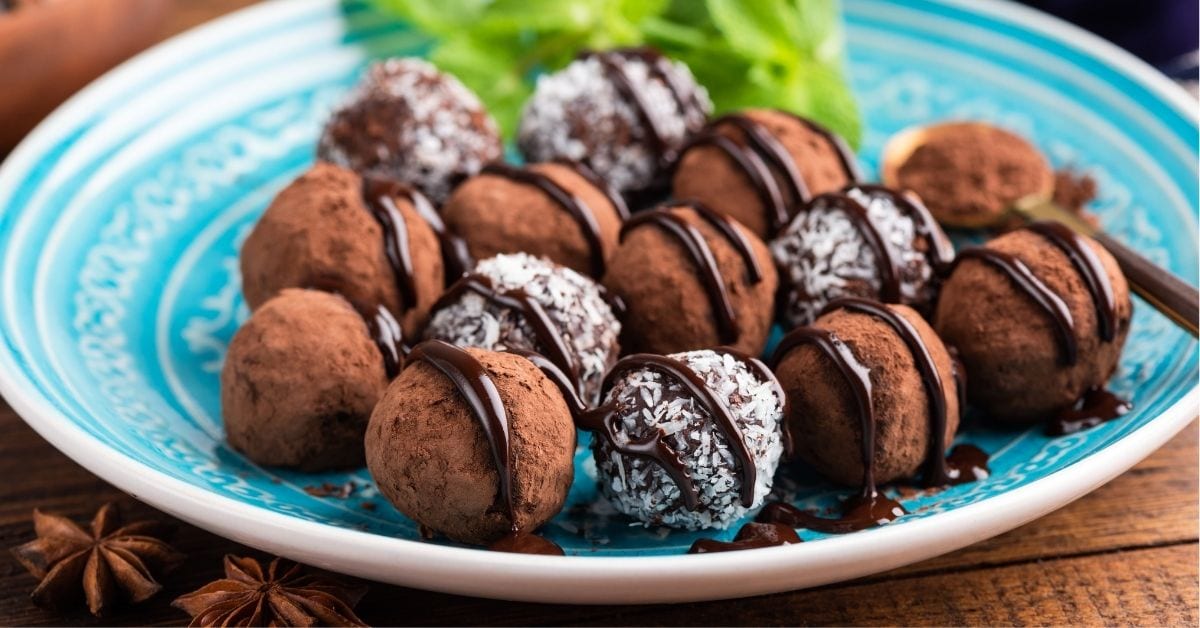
(574, 303)
(579, 114)
(647, 399)
(822, 255)
(410, 122)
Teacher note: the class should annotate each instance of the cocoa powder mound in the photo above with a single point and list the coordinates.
(969, 174)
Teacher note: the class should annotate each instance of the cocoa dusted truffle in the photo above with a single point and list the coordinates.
(872, 394)
(691, 278)
(759, 166)
(299, 383)
(624, 113)
(866, 241)
(521, 302)
(408, 122)
(472, 444)
(561, 212)
(1039, 317)
(690, 440)
(331, 230)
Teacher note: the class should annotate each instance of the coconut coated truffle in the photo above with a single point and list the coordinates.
(1033, 334)
(760, 165)
(299, 383)
(518, 301)
(823, 413)
(622, 112)
(866, 241)
(552, 210)
(320, 232)
(408, 122)
(690, 279)
(429, 453)
(648, 402)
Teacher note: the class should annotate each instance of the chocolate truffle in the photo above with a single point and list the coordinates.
(1039, 317)
(521, 302)
(759, 166)
(560, 212)
(866, 241)
(713, 420)
(472, 444)
(868, 372)
(968, 173)
(622, 112)
(692, 278)
(408, 122)
(299, 383)
(331, 230)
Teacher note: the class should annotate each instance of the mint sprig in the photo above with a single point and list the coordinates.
(748, 53)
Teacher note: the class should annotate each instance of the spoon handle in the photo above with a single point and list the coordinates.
(1167, 293)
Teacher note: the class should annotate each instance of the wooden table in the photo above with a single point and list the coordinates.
(1126, 554)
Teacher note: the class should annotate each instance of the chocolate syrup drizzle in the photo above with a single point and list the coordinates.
(473, 382)
(380, 196)
(614, 197)
(1042, 295)
(580, 212)
(889, 271)
(526, 543)
(753, 535)
(389, 337)
(1085, 261)
(702, 256)
(545, 331)
(965, 464)
(612, 61)
(1095, 407)
(760, 151)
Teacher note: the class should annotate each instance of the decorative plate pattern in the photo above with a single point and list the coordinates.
(121, 218)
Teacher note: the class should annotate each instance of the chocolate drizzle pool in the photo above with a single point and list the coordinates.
(702, 256)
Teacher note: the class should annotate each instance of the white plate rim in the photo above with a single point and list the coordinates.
(587, 579)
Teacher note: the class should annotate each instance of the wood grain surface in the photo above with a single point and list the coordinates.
(1124, 555)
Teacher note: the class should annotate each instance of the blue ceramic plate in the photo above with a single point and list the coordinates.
(121, 217)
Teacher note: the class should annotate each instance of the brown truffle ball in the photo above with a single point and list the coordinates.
(410, 123)
(1015, 360)
(299, 383)
(320, 233)
(811, 156)
(672, 303)
(822, 411)
(968, 173)
(429, 454)
(548, 210)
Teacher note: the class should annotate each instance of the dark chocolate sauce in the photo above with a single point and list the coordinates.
(941, 250)
(1095, 407)
(654, 447)
(1095, 277)
(614, 197)
(479, 392)
(525, 543)
(753, 535)
(380, 197)
(966, 463)
(456, 258)
(549, 339)
(755, 169)
(1041, 294)
(389, 337)
(702, 256)
(845, 155)
(859, 513)
(579, 211)
(857, 377)
(613, 63)
(564, 383)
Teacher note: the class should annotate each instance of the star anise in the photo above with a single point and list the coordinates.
(286, 594)
(111, 561)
